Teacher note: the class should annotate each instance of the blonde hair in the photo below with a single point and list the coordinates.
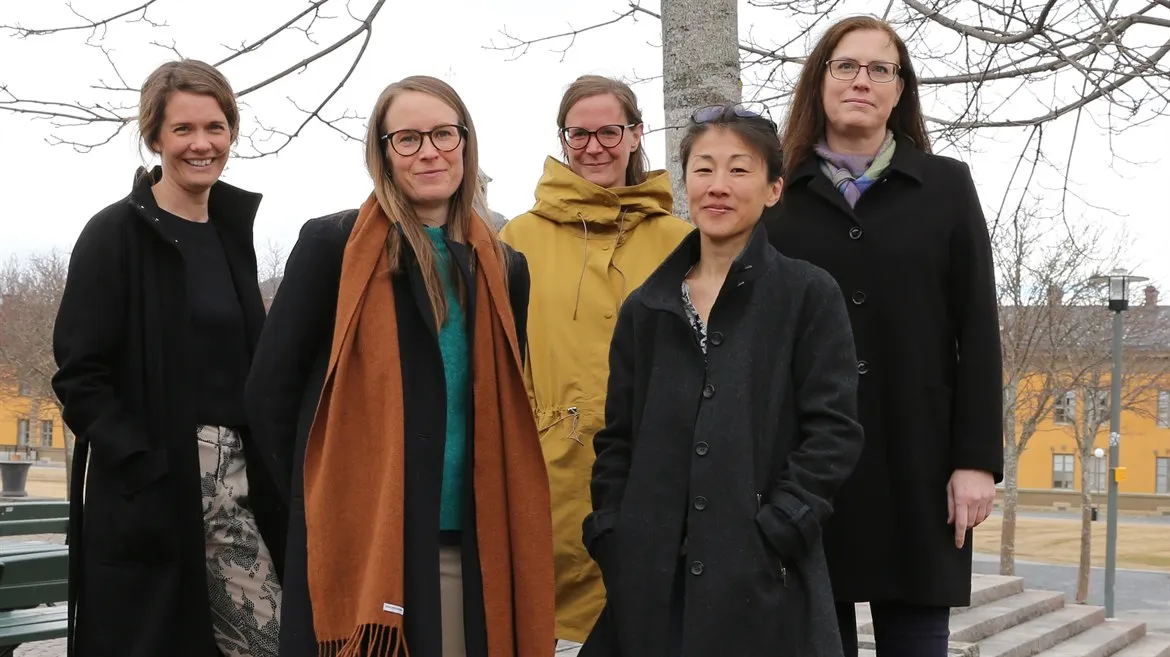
(400, 211)
(588, 86)
(192, 76)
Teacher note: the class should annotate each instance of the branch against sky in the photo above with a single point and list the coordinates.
(85, 125)
(981, 63)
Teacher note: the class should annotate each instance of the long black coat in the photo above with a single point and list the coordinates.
(138, 574)
(728, 469)
(285, 385)
(914, 260)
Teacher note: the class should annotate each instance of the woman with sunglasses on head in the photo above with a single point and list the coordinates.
(903, 233)
(389, 395)
(600, 225)
(729, 425)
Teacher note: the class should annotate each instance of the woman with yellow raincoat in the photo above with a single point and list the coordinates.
(602, 223)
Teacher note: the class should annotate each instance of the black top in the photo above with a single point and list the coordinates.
(219, 349)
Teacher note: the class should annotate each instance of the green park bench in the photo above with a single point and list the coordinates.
(34, 575)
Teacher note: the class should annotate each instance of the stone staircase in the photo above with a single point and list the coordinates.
(1007, 620)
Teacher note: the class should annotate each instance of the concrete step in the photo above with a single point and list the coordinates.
(1103, 640)
(985, 589)
(978, 623)
(1036, 635)
(1151, 645)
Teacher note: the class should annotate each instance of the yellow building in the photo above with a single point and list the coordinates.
(43, 436)
(1049, 464)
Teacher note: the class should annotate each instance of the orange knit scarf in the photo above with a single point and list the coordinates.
(354, 467)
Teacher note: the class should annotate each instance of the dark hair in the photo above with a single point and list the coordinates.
(757, 131)
(191, 76)
(806, 116)
(588, 86)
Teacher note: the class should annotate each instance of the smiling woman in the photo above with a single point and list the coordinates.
(711, 545)
(183, 532)
(389, 382)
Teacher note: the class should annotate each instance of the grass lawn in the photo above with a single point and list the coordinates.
(1058, 540)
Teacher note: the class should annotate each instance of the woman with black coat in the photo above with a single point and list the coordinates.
(176, 548)
(388, 395)
(903, 234)
(730, 423)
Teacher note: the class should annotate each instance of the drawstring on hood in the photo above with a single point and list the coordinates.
(564, 197)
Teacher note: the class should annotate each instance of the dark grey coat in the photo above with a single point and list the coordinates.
(914, 260)
(282, 393)
(726, 470)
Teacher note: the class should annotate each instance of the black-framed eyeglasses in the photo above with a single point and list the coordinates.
(848, 69)
(445, 138)
(758, 111)
(607, 135)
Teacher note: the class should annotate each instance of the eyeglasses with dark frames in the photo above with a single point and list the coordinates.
(847, 70)
(445, 138)
(715, 112)
(607, 136)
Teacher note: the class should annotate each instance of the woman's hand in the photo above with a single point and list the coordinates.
(970, 498)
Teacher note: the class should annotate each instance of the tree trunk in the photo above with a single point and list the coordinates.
(1086, 564)
(1011, 482)
(1011, 496)
(700, 66)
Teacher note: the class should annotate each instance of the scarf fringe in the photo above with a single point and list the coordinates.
(367, 641)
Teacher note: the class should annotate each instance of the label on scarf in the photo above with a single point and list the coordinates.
(393, 609)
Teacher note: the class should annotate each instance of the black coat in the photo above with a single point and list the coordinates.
(138, 574)
(914, 260)
(725, 470)
(282, 394)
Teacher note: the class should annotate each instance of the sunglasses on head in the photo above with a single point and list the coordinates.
(716, 112)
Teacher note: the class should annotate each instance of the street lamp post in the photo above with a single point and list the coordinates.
(1118, 282)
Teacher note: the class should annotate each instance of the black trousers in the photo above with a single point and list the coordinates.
(900, 630)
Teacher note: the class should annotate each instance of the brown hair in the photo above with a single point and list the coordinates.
(806, 117)
(191, 76)
(757, 131)
(400, 211)
(588, 86)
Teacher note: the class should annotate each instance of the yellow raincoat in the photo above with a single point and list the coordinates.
(587, 248)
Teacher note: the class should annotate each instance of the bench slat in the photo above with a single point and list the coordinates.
(21, 617)
(39, 510)
(55, 629)
(38, 526)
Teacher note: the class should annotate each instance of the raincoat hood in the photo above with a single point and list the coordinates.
(565, 197)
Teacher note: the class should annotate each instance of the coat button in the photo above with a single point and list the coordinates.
(858, 298)
(700, 503)
(862, 367)
(701, 448)
(708, 391)
(716, 339)
(855, 233)
(696, 568)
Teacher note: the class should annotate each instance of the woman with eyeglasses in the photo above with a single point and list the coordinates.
(388, 392)
(903, 233)
(601, 223)
(730, 422)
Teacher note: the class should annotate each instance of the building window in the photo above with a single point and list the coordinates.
(24, 389)
(1064, 411)
(1162, 476)
(1164, 409)
(46, 433)
(1063, 470)
(22, 432)
(1098, 406)
(1097, 469)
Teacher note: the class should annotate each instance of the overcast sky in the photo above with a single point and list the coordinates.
(47, 193)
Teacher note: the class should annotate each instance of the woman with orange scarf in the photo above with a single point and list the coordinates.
(388, 397)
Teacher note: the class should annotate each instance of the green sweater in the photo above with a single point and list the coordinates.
(456, 370)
